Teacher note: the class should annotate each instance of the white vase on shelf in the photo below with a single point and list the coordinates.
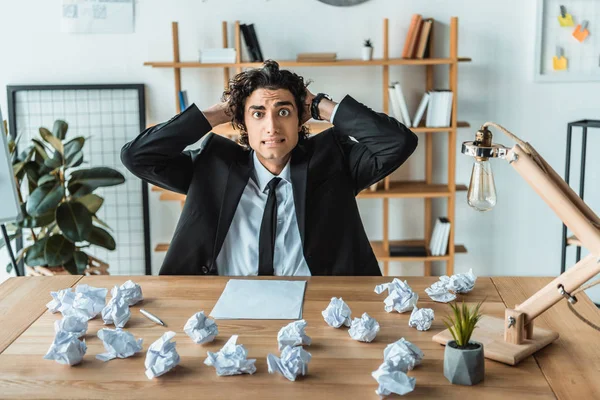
(367, 53)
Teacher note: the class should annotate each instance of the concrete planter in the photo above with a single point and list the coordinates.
(464, 366)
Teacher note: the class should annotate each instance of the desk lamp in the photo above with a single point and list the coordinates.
(514, 338)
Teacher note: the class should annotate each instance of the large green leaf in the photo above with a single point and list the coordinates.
(58, 250)
(74, 220)
(46, 179)
(92, 202)
(32, 170)
(44, 219)
(40, 149)
(59, 130)
(73, 146)
(100, 237)
(35, 255)
(101, 223)
(44, 198)
(55, 162)
(96, 177)
(81, 260)
(18, 169)
(53, 140)
(76, 160)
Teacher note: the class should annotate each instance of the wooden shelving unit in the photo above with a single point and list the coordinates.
(427, 189)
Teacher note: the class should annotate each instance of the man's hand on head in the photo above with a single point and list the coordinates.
(307, 101)
(217, 114)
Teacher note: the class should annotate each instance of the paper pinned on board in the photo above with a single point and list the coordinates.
(93, 16)
(260, 299)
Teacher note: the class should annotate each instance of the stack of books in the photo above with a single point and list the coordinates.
(217, 56)
(440, 108)
(438, 104)
(438, 245)
(251, 42)
(417, 39)
(316, 57)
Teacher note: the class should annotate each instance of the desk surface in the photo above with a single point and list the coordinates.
(340, 368)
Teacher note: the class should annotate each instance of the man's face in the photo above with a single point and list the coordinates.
(271, 119)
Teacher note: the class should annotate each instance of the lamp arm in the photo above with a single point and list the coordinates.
(573, 211)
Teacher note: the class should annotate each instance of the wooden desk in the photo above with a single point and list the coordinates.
(340, 369)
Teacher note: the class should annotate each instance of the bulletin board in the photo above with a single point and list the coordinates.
(582, 57)
(108, 116)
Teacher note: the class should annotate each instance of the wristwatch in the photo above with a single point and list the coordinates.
(314, 106)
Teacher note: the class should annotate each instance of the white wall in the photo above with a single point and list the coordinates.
(520, 237)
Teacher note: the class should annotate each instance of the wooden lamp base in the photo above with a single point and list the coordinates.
(490, 333)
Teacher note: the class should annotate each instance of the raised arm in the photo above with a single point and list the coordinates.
(157, 155)
(381, 143)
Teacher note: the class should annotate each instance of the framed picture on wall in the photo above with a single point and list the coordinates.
(567, 45)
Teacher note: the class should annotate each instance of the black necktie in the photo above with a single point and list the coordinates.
(266, 241)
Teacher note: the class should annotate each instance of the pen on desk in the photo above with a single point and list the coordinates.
(152, 317)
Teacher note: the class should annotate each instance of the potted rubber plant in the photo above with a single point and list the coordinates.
(58, 205)
(463, 358)
(367, 50)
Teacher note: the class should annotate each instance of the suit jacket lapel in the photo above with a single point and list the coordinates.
(299, 170)
(237, 179)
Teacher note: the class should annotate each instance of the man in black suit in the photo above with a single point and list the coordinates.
(277, 203)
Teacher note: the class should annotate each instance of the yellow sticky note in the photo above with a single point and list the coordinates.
(559, 63)
(567, 20)
(580, 34)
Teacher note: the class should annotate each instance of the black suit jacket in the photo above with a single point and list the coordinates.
(327, 172)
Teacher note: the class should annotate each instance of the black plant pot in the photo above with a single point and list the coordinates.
(464, 366)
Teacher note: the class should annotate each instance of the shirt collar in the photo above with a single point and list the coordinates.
(263, 176)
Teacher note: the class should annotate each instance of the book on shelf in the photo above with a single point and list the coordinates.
(423, 43)
(395, 104)
(255, 43)
(397, 250)
(251, 42)
(183, 100)
(438, 243)
(439, 109)
(412, 36)
(316, 57)
(421, 110)
(402, 103)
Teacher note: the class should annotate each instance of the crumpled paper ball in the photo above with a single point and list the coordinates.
(231, 359)
(392, 379)
(131, 292)
(117, 310)
(444, 290)
(61, 300)
(162, 356)
(200, 328)
(421, 318)
(118, 344)
(337, 313)
(74, 324)
(66, 349)
(403, 353)
(439, 292)
(293, 335)
(400, 296)
(364, 329)
(292, 363)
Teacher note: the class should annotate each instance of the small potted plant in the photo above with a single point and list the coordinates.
(463, 358)
(367, 50)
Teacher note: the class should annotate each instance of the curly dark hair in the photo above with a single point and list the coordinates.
(269, 76)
